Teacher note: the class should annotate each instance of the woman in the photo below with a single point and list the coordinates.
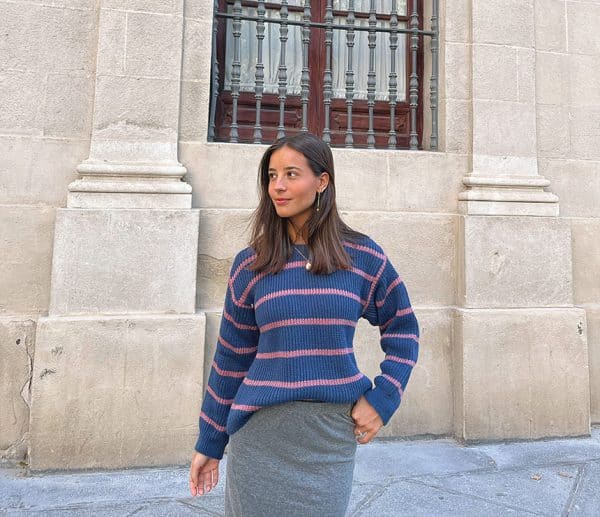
(285, 390)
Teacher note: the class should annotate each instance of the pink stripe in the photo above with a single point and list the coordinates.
(238, 350)
(394, 382)
(242, 266)
(307, 351)
(398, 314)
(242, 326)
(303, 384)
(400, 360)
(289, 265)
(363, 274)
(307, 321)
(227, 373)
(402, 336)
(225, 402)
(308, 292)
(218, 427)
(376, 279)
(396, 282)
(360, 247)
(243, 407)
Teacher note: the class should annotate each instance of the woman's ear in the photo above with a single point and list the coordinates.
(323, 181)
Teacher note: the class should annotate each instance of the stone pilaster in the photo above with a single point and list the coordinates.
(504, 178)
(133, 152)
(118, 368)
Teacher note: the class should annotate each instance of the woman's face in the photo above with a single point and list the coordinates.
(293, 185)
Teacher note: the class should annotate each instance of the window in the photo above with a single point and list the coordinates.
(357, 79)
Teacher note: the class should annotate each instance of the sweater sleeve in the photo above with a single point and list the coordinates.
(389, 308)
(236, 349)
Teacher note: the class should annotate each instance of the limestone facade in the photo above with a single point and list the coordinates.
(119, 221)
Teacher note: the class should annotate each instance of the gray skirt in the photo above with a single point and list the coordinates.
(293, 459)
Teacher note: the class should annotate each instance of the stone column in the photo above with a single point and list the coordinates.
(521, 364)
(119, 359)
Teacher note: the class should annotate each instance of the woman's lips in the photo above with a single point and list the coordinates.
(282, 201)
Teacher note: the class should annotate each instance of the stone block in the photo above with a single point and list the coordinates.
(526, 59)
(577, 184)
(222, 175)
(195, 99)
(503, 22)
(21, 37)
(114, 392)
(68, 106)
(136, 109)
(592, 313)
(457, 83)
(420, 246)
(199, 9)
(153, 45)
(427, 406)
(552, 78)
(458, 126)
(585, 132)
(149, 6)
(123, 261)
(454, 18)
(20, 109)
(553, 131)
(495, 72)
(581, 17)
(26, 234)
(422, 182)
(584, 81)
(503, 128)
(550, 25)
(197, 45)
(112, 36)
(515, 261)
(524, 374)
(17, 335)
(586, 260)
(361, 178)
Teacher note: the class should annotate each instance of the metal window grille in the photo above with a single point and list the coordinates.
(294, 94)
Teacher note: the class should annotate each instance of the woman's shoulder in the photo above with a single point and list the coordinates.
(365, 245)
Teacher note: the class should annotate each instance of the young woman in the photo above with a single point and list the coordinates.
(285, 391)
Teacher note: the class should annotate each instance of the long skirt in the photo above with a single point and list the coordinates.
(292, 459)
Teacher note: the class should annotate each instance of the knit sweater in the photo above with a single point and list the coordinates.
(288, 336)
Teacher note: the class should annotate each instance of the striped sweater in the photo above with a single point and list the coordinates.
(288, 336)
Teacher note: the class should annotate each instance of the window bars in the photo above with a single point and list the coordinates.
(285, 85)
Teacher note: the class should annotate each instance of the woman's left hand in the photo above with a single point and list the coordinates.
(368, 422)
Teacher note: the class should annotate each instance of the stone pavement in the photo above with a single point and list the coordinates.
(392, 478)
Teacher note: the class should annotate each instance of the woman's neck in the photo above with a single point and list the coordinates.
(298, 233)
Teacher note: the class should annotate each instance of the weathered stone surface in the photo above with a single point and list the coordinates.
(17, 336)
(580, 15)
(586, 260)
(523, 374)
(26, 234)
(117, 391)
(504, 22)
(515, 262)
(585, 132)
(427, 404)
(495, 72)
(592, 313)
(554, 139)
(420, 246)
(123, 261)
(552, 78)
(550, 25)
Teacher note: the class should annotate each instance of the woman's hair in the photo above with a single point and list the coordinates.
(326, 230)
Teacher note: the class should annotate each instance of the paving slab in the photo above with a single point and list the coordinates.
(586, 499)
(398, 459)
(543, 491)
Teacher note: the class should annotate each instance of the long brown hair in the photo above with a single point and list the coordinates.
(326, 230)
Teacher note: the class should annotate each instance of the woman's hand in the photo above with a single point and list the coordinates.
(204, 474)
(368, 422)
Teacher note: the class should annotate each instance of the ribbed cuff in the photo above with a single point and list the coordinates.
(382, 403)
(212, 449)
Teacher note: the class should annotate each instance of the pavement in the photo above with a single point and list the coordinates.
(433, 477)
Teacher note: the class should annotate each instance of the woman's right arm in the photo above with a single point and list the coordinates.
(236, 349)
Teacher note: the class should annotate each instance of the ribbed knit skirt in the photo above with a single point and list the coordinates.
(293, 459)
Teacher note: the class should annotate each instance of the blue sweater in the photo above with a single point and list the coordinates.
(288, 336)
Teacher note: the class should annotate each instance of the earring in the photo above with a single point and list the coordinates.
(318, 199)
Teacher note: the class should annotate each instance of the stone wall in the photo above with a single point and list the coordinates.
(509, 306)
